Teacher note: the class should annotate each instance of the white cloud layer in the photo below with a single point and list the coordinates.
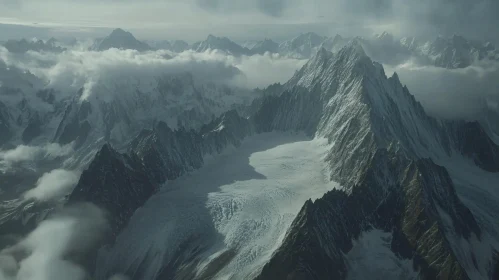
(69, 71)
(53, 185)
(47, 253)
(23, 153)
(453, 93)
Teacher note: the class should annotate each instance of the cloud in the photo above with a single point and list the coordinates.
(264, 70)
(465, 93)
(24, 153)
(430, 17)
(53, 185)
(51, 250)
(103, 73)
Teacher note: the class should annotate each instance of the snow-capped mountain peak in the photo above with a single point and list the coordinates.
(302, 46)
(324, 65)
(267, 45)
(121, 39)
(223, 44)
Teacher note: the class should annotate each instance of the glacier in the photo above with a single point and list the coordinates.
(233, 212)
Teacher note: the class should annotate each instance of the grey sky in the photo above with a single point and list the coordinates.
(251, 19)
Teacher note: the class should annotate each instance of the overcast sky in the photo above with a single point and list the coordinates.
(251, 19)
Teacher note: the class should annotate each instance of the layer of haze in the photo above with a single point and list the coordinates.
(250, 19)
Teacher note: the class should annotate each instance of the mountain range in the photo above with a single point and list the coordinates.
(410, 184)
(120, 39)
(170, 160)
(454, 52)
(23, 45)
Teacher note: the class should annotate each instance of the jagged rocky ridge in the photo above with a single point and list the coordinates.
(120, 183)
(388, 154)
(120, 39)
(23, 46)
(34, 115)
(175, 99)
(382, 139)
(453, 52)
(223, 44)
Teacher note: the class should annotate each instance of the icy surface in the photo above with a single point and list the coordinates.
(240, 204)
(371, 258)
(478, 190)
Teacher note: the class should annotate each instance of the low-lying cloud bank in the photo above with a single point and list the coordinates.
(453, 93)
(23, 153)
(445, 93)
(53, 185)
(51, 250)
(72, 70)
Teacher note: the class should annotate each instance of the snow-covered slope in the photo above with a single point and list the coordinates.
(453, 52)
(379, 136)
(223, 44)
(398, 167)
(174, 99)
(360, 110)
(24, 107)
(116, 111)
(242, 197)
(302, 46)
(334, 44)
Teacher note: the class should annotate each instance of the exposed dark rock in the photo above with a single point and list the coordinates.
(474, 143)
(121, 39)
(117, 183)
(5, 132)
(323, 231)
(32, 130)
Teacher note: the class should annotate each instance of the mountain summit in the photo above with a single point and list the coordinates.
(402, 173)
(223, 44)
(302, 46)
(121, 39)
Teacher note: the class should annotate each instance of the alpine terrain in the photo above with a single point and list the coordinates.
(337, 174)
(160, 159)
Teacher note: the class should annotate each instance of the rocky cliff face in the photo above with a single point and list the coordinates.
(382, 140)
(410, 209)
(121, 183)
(117, 183)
